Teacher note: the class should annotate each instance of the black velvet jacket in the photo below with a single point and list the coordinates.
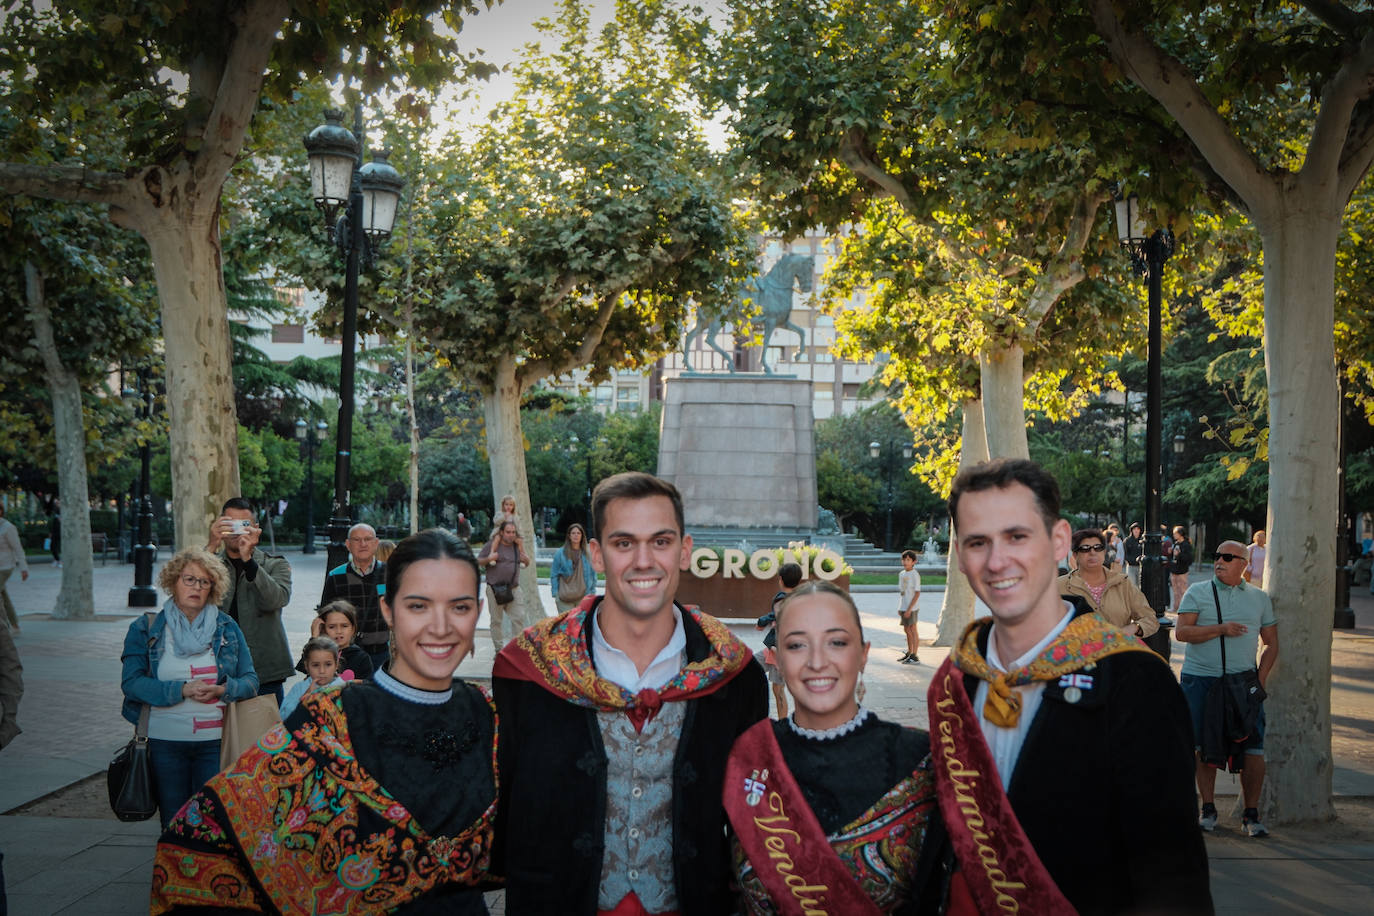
(551, 821)
(1104, 790)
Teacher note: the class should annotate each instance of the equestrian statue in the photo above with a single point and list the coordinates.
(771, 294)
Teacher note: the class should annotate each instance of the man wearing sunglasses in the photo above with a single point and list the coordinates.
(1246, 619)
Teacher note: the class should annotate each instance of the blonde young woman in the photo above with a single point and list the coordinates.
(852, 788)
(1107, 591)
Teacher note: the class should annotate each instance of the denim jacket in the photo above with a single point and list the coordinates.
(143, 651)
(562, 566)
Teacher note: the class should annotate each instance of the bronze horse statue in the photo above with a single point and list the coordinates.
(772, 293)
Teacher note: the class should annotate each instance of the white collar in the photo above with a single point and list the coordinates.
(826, 734)
(363, 572)
(412, 694)
(618, 668)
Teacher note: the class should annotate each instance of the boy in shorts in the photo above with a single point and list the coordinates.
(909, 594)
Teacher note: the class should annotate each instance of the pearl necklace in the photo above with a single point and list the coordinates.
(829, 734)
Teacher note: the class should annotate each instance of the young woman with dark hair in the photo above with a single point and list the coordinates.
(376, 798)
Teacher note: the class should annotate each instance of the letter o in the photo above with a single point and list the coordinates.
(828, 565)
(763, 564)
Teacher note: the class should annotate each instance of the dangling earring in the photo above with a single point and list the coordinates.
(860, 690)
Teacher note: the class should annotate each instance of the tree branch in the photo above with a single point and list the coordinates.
(73, 183)
(546, 367)
(1352, 83)
(1359, 151)
(858, 161)
(1065, 270)
(245, 67)
(1340, 18)
(1170, 84)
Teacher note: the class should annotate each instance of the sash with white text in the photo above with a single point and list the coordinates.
(778, 831)
(998, 868)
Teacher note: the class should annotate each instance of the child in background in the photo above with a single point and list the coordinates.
(790, 576)
(320, 659)
(909, 590)
(339, 621)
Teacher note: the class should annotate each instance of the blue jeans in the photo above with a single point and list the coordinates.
(180, 768)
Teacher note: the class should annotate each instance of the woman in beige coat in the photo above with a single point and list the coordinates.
(1108, 591)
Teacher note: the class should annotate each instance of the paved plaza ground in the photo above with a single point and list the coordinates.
(64, 853)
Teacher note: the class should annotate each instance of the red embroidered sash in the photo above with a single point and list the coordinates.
(778, 831)
(998, 868)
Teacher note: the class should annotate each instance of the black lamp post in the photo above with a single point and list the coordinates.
(587, 455)
(143, 594)
(1148, 254)
(875, 449)
(310, 437)
(372, 192)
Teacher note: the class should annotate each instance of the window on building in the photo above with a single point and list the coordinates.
(288, 333)
(627, 398)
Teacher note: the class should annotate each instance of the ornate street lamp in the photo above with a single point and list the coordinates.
(875, 449)
(309, 437)
(1149, 251)
(142, 594)
(371, 192)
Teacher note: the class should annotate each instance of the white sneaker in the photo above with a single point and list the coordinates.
(1255, 828)
(1208, 820)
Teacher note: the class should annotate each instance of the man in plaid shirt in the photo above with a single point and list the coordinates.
(361, 582)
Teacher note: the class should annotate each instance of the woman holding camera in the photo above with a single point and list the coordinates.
(185, 665)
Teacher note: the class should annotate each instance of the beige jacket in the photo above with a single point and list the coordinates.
(1122, 603)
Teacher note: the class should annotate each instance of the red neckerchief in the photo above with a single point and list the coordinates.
(553, 654)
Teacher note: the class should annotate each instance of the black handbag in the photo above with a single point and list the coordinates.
(503, 592)
(130, 777)
(1231, 711)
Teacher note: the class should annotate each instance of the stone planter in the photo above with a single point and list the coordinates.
(734, 598)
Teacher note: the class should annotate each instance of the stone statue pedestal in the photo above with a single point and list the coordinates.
(742, 450)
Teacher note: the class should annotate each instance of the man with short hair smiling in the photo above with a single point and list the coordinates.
(1227, 610)
(361, 581)
(616, 720)
(1045, 709)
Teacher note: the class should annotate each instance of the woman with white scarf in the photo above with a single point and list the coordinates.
(185, 663)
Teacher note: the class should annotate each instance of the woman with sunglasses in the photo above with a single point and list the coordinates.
(1108, 591)
(184, 665)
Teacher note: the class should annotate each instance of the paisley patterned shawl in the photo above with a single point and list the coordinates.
(1088, 638)
(296, 826)
(553, 653)
(880, 847)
